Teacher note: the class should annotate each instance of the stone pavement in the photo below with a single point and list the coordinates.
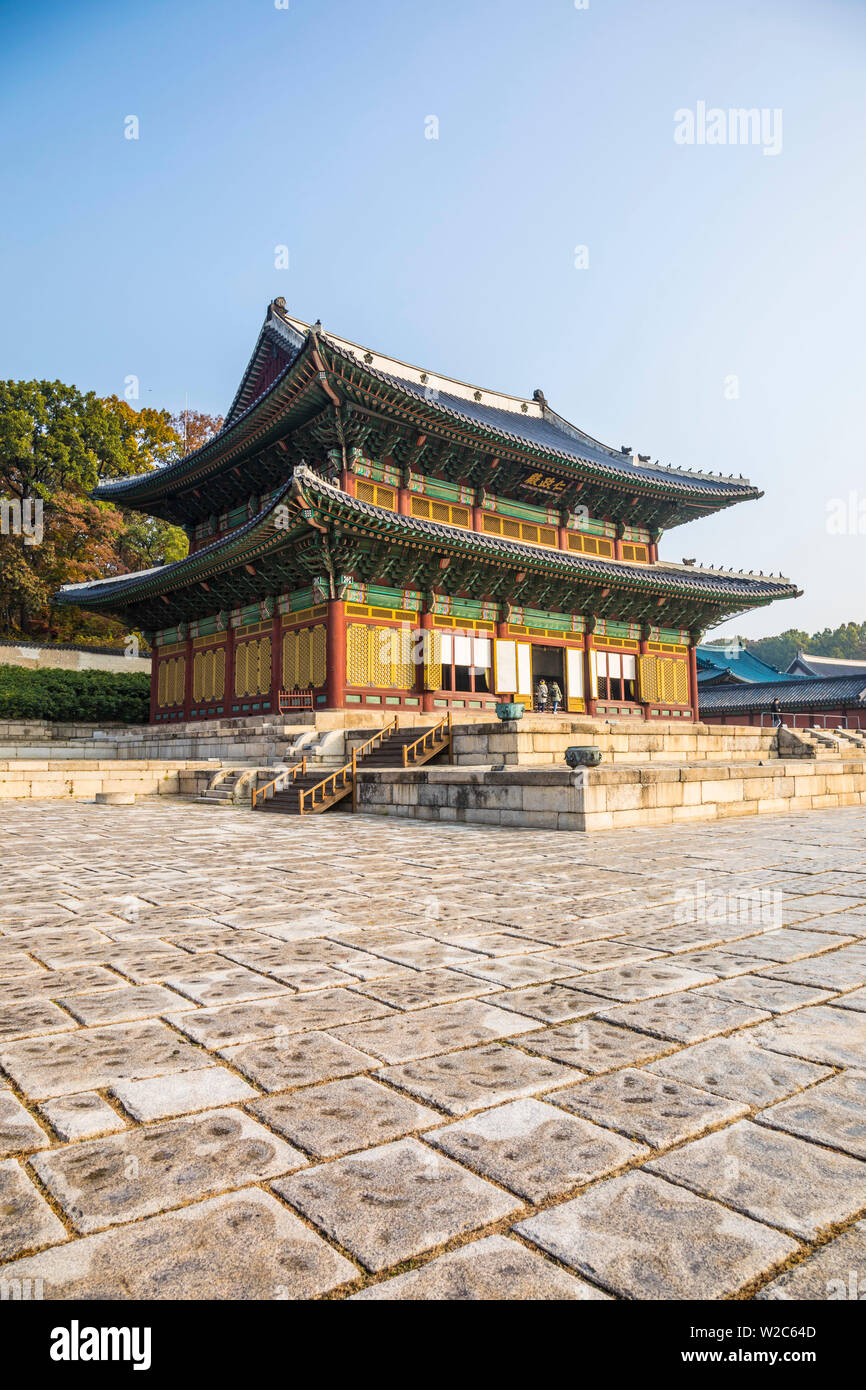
(261, 1057)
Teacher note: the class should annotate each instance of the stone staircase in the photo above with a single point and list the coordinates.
(303, 790)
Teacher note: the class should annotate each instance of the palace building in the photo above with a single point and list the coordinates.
(366, 534)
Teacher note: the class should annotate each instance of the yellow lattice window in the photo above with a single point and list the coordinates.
(590, 545)
(433, 660)
(649, 690)
(304, 658)
(357, 665)
(170, 681)
(253, 667)
(318, 656)
(639, 554)
(664, 679)
(519, 530)
(429, 510)
(376, 494)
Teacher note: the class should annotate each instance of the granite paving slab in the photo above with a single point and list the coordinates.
(776, 996)
(549, 1003)
(652, 1109)
(245, 1245)
(643, 1238)
(19, 1131)
(421, 988)
(533, 1149)
(90, 1058)
(818, 1033)
(739, 1069)
(832, 1113)
(441, 1028)
(335, 1118)
(122, 1005)
(594, 1046)
(83, 1116)
(835, 1273)
(770, 1176)
(489, 1269)
(509, 972)
(297, 1059)
(459, 1082)
(394, 1202)
(31, 1017)
(633, 982)
(160, 1097)
(141, 1171)
(28, 1220)
(686, 1018)
(279, 1016)
(842, 969)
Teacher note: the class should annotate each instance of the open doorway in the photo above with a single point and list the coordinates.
(547, 664)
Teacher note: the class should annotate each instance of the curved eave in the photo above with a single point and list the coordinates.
(259, 535)
(252, 423)
(336, 506)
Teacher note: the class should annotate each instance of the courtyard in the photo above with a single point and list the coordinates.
(250, 1057)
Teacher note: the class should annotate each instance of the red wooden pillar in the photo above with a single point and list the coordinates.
(693, 679)
(229, 692)
(154, 682)
(187, 678)
(276, 663)
(336, 654)
(426, 695)
(404, 501)
(587, 673)
(643, 650)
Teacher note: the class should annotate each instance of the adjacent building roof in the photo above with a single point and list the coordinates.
(732, 663)
(795, 696)
(804, 664)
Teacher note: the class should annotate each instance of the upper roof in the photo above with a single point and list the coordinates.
(793, 695)
(805, 664)
(736, 661)
(293, 361)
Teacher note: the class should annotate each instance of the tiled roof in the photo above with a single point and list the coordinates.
(792, 695)
(738, 662)
(727, 583)
(825, 666)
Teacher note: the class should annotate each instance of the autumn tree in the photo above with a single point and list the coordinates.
(56, 443)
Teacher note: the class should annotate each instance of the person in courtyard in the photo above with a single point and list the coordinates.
(555, 695)
(777, 712)
(541, 695)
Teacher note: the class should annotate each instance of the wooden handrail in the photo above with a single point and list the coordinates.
(428, 734)
(349, 769)
(268, 789)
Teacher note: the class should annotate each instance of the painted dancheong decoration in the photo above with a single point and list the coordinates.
(367, 534)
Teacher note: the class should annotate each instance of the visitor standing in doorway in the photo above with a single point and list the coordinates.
(555, 695)
(541, 695)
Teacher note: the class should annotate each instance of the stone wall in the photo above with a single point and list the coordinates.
(40, 658)
(609, 798)
(541, 741)
(51, 780)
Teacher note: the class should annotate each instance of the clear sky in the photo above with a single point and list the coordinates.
(719, 322)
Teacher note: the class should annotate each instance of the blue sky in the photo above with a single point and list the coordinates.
(305, 127)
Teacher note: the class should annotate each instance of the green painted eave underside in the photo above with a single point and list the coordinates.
(313, 528)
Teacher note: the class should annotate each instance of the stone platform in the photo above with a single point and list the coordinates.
(612, 798)
(266, 1058)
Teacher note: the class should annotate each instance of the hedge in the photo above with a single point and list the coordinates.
(91, 697)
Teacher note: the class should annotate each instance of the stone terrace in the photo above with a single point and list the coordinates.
(252, 1057)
